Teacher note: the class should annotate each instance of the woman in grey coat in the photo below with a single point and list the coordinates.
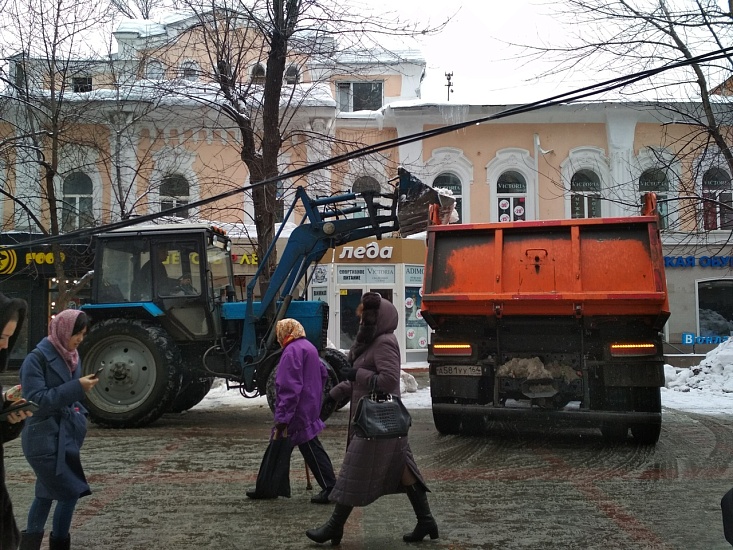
(389, 463)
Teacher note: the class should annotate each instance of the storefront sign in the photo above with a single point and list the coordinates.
(320, 293)
(414, 275)
(351, 275)
(689, 339)
(370, 251)
(380, 274)
(702, 261)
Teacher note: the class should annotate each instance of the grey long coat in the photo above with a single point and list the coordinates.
(374, 467)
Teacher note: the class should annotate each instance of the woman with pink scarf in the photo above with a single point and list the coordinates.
(53, 436)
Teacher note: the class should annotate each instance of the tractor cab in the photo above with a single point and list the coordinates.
(177, 274)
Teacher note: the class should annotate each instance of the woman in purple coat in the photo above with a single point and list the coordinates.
(299, 386)
(375, 467)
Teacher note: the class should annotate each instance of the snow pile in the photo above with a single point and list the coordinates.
(713, 374)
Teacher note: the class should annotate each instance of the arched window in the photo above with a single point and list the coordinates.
(174, 191)
(452, 183)
(258, 74)
(154, 70)
(718, 203)
(585, 194)
(654, 180)
(190, 71)
(76, 205)
(292, 76)
(511, 195)
(364, 184)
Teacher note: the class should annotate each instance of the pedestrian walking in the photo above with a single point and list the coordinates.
(52, 439)
(375, 467)
(299, 384)
(12, 315)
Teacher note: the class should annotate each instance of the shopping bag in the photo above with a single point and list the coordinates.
(726, 505)
(273, 479)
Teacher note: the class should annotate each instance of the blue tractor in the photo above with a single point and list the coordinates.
(166, 320)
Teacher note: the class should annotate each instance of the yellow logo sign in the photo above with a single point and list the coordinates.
(8, 261)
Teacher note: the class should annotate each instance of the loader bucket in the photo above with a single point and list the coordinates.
(416, 199)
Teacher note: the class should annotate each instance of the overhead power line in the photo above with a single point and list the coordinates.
(564, 98)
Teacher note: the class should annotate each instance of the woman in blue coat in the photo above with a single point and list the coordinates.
(52, 438)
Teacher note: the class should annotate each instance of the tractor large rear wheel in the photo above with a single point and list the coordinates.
(141, 376)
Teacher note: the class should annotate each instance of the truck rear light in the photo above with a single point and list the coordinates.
(452, 350)
(633, 349)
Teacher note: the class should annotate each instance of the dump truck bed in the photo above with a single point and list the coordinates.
(586, 267)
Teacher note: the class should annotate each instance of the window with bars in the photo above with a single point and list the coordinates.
(175, 191)
(76, 204)
(718, 200)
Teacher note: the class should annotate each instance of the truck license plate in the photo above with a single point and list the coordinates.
(458, 370)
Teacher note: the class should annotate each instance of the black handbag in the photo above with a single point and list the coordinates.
(381, 416)
(726, 505)
(273, 478)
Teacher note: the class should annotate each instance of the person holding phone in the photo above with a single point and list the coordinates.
(12, 315)
(51, 377)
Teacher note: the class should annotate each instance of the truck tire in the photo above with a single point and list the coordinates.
(447, 424)
(271, 393)
(141, 377)
(191, 394)
(339, 363)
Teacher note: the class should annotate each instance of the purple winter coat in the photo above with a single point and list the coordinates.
(374, 467)
(299, 384)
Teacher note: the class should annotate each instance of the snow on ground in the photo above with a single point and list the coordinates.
(706, 388)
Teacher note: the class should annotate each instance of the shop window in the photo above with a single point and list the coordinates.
(585, 194)
(718, 203)
(76, 204)
(715, 307)
(655, 180)
(174, 191)
(349, 299)
(360, 96)
(452, 183)
(511, 196)
(416, 329)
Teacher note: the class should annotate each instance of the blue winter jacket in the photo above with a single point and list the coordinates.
(53, 436)
(299, 384)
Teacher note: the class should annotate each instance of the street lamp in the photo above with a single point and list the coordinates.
(449, 85)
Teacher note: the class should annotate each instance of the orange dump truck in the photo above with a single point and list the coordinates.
(547, 321)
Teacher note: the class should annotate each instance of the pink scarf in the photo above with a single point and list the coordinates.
(60, 331)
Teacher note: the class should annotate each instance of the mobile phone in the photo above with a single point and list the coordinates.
(25, 406)
(99, 371)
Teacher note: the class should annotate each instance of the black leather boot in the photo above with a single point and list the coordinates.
(59, 544)
(30, 541)
(426, 524)
(333, 529)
